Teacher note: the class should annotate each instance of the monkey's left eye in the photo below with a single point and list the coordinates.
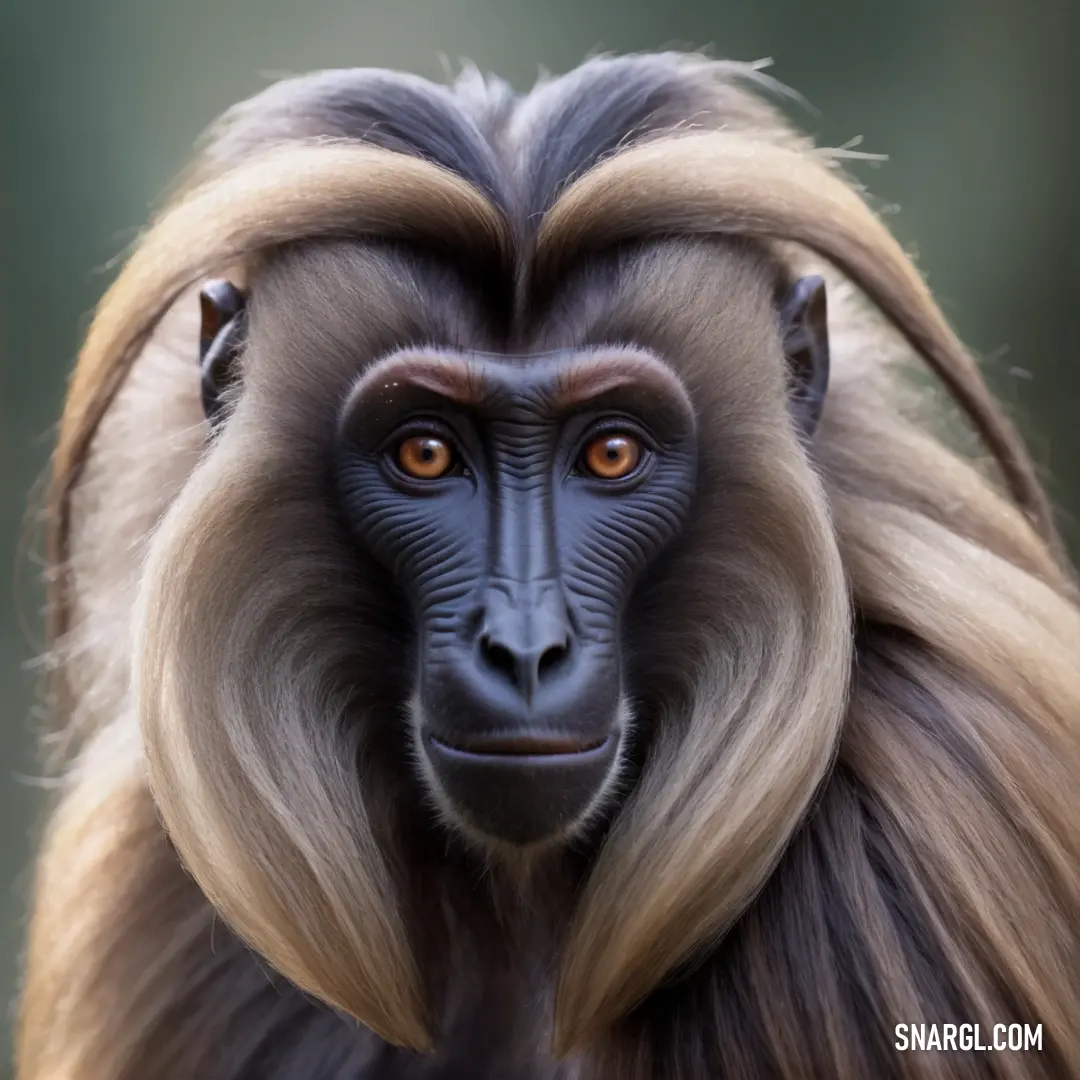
(611, 456)
(426, 457)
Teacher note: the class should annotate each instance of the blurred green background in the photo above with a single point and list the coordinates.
(974, 101)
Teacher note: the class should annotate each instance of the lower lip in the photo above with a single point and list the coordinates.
(522, 752)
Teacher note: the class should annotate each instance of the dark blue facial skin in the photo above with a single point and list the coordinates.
(518, 559)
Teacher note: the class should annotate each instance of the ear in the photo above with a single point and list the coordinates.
(221, 337)
(804, 325)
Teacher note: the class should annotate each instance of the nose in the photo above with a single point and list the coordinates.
(525, 638)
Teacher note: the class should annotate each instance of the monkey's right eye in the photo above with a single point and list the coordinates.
(426, 457)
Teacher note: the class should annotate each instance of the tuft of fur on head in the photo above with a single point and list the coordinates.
(854, 680)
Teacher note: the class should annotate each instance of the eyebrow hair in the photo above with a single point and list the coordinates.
(455, 377)
(600, 370)
(467, 379)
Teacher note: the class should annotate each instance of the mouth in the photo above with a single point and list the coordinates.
(521, 789)
(521, 746)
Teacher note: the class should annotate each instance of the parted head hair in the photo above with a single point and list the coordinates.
(831, 668)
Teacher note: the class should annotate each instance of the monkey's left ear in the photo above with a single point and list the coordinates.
(224, 321)
(804, 325)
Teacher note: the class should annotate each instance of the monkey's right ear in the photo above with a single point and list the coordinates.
(221, 336)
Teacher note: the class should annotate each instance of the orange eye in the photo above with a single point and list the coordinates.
(425, 457)
(611, 457)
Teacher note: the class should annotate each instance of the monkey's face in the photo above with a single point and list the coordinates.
(517, 503)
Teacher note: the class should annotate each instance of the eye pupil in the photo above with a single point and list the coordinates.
(612, 456)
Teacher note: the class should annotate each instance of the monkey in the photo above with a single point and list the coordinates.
(517, 610)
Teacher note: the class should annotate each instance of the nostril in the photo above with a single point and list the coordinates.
(500, 658)
(552, 658)
(523, 669)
